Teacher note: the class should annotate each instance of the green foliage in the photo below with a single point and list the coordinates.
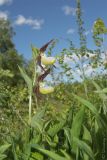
(53, 155)
(87, 138)
(76, 127)
(99, 28)
(84, 147)
(9, 58)
(81, 29)
(6, 34)
(3, 149)
(37, 121)
(5, 73)
(69, 124)
(53, 130)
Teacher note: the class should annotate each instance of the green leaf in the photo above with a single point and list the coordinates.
(84, 147)
(76, 127)
(87, 135)
(27, 79)
(104, 90)
(66, 155)
(37, 156)
(92, 108)
(2, 156)
(4, 147)
(102, 94)
(35, 52)
(53, 130)
(51, 154)
(99, 90)
(67, 132)
(26, 151)
(5, 73)
(37, 121)
(86, 138)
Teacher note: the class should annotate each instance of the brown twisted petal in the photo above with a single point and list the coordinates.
(43, 49)
(40, 78)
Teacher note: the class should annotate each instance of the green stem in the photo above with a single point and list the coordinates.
(30, 108)
(34, 81)
(83, 77)
(77, 154)
(85, 84)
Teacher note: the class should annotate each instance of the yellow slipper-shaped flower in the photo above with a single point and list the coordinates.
(47, 60)
(46, 90)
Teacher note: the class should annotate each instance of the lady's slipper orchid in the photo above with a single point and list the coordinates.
(47, 60)
(46, 90)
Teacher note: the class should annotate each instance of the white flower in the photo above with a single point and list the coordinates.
(47, 60)
(92, 55)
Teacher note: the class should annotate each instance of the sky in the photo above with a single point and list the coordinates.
(38, 21)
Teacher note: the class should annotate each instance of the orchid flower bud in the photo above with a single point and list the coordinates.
(47, 60)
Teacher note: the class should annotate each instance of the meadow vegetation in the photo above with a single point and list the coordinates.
(66, 121)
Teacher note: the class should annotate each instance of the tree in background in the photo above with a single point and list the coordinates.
(6, 35)
(9, 57)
